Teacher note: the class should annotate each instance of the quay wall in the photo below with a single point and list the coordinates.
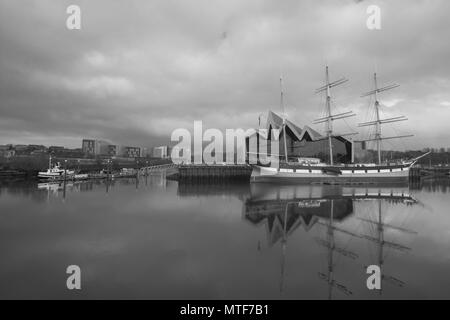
(213, 172)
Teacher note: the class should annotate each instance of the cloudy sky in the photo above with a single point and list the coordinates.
(139, 69)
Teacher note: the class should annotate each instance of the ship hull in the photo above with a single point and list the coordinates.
(331, 175)
(54, 175)
(45, 175)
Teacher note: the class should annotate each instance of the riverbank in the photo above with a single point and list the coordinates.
(27, 167)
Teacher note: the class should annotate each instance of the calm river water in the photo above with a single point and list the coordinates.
(158, 239)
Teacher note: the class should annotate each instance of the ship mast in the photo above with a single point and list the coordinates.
(381, 243)
(284, 118)
(378, 122)
(378, 125)
(330, 244)
(283, 247)
(329, 123)
(380, 239)
(328, 120)
(330, 236)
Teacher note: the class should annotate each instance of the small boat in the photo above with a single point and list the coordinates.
(125, 173)
(50, 186)
(54, 172)
(81, 176)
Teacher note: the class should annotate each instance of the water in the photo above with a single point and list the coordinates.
(159, 240)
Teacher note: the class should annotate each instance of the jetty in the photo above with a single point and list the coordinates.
(211, 172)
(429, 171)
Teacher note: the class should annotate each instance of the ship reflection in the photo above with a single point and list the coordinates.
(283, 210)
(63, 189)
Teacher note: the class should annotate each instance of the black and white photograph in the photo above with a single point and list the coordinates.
(224, 155)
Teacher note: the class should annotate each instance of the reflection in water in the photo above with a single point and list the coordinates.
(284, 209)
(64, 188)
(432, 184)
(224, 240)
(44, 191)
(237, 189)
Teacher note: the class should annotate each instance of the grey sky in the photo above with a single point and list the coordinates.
(139, 69)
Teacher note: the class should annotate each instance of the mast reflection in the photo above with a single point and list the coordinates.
(285, 209)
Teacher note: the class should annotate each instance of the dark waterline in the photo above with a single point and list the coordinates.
(156, 239)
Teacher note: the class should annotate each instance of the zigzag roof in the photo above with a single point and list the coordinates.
(275, 121)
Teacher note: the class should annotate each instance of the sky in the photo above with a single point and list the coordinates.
(137, 70)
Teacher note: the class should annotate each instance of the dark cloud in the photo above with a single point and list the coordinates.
(138, 70)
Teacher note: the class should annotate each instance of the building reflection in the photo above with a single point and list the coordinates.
(283, 216)
(283, 210)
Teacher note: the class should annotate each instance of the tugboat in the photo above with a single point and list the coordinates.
(55, 172)
(304, 171)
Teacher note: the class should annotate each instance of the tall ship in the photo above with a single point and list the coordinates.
(55, 172)
(299, 169)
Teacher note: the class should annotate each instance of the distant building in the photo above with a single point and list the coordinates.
(116, 150)
(113, 150)
(145, 152)
(132, 152)
(88, 147)
(37, 148)
(92, 147)
(160, 152)
(55, 149)
(102, 147)
(7, 151)
(63, 152)
(21, 149)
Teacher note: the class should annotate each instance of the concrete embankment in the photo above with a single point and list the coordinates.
(210, 172)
